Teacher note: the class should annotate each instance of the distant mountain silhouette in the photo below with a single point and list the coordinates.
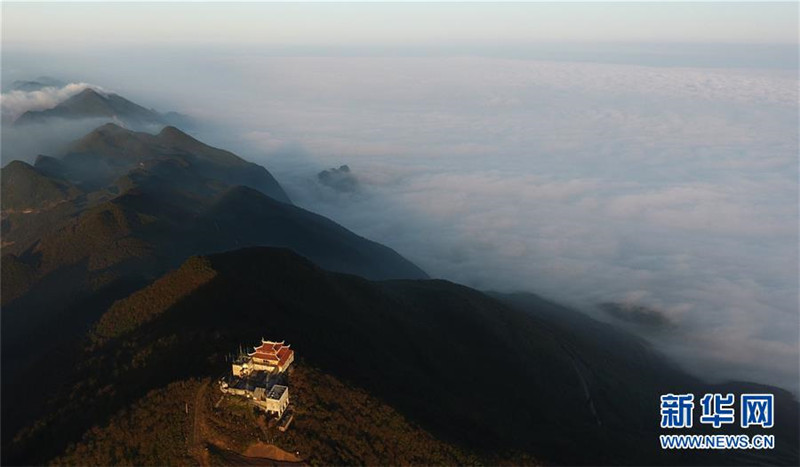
(91, 103)
(340, 179)
(129, 204)
(640, 315)
(35, 84)
(110, 152)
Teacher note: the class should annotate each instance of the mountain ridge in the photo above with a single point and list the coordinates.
(121, 209)
(135, 262)
(110, 151)
(470, 369)
(91, 103)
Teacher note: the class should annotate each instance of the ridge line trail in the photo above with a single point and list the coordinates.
(195, 448)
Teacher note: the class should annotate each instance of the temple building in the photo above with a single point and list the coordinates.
(275, 401)
(269, 356)
(261, 377)
(272, 356)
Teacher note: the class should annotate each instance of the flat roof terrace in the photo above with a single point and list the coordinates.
(276, 392)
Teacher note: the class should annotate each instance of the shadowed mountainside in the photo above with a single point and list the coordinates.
(111, 152)
(120, 209)
(527, 376)
(334, 424)
(25, 188)
(128, 204)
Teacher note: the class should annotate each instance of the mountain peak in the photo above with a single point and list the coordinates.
(172, 134)
(111, 126)
(95, 103)
(88, 95)
(18, 165)
(36, 84)
(109, 129)
(90, 92)
(25, 187)
(105, 139)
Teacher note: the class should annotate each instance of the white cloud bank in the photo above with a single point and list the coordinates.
(25, 142)
(16, 102)
(672, 188)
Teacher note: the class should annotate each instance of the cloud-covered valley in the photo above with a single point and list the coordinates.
(672, 189)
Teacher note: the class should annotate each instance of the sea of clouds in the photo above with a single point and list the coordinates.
(673, 189)
(665, 188)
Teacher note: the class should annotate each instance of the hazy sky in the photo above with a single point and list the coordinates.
(98, 25)
(643, 154)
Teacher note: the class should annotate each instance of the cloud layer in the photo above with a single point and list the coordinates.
(27, 141)
(663, 188)
(15, 103)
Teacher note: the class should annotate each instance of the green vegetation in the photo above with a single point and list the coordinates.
(153, 431)
(17, 277)
(25, 188)
(337, 424)
(110, 152)
(127, 315)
